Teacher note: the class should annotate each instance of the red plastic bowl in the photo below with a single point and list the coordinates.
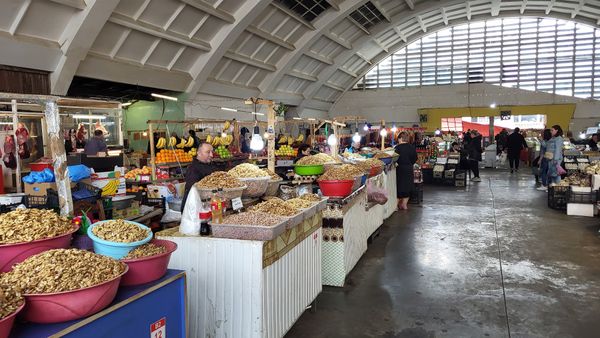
(40, 166)
(7, 322)
(337, 188)
(375, 171)
(148, 269)
(70, 305)
(11, 254)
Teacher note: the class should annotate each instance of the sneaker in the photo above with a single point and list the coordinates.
(476, 179)
(552, 185)
(542, 188)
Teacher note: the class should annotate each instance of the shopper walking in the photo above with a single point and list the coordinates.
(554, 154)
(474, 151)
(501, 141)
(516, 142)
(405, 181)
(543, 162)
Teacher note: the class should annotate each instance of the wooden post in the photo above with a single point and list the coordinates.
(15, 120)
(382, 137)
(57, 149)
(152, 154)
(271, 139)
(335, 148)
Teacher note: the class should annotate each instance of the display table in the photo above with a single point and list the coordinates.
(132, 314)
(244, 288)
(347, 226)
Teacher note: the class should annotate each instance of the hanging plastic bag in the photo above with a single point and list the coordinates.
(79, 172)
(170, 215)
(376, 194)
(44, 176)
(190, 220)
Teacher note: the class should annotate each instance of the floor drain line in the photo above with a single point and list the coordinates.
(499, 255)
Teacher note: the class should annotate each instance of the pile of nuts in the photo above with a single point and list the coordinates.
(382, 155)
(274, 176)
(27, 225)
(10, 300)
(353, 169)
(120, 231)
(311, 197)
(366, 165)
(338, 174)
(253, 218)
(316, 159)
(247, 170)
(62, 270)
(146, 250)
(299, 203)
(275, 206)
(219, 179)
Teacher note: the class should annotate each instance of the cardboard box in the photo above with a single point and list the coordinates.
(579, 209)
(111, 186)
(118, 173)
(167, 190)
(40, 189)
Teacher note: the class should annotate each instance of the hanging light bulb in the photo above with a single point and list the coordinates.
(356, 137)
(366, 127)
(223, 135)
(383, 132)
(256, 142)
(437, 132)
(332, 140)
(266, 135)
(394, 129)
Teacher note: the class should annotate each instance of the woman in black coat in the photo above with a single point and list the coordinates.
(405, 181)
(474, 151)
(516, 143)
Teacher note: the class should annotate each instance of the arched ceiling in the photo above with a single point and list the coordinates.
(237, 48)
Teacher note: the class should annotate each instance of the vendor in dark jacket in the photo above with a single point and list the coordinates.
(199, 168)
(303, 150)
(593, 143)
(474, 150)
(516, 142)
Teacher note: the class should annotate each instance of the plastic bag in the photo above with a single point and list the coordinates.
(44, 176)
(376, 194)
(171, 216)
(190, 220)
(79, 172)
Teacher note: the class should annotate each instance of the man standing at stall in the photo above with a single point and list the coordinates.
(96, 144)
(199, 168)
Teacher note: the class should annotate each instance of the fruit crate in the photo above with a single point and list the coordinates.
(581, 197)
(558, 197)
(416, 196)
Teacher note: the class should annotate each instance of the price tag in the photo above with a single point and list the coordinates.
(236, 204)
(159, 329)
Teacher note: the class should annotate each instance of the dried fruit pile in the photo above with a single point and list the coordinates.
(146, 250)
(366, 165)
(274, 176)
(311, 197)
(316, 159)
(120, 231)
(219, 179)
(253, 218)
(275, 206)
(338, 173)
(61, 270)
(27, 225)
(382, 155)
(299, 203)
(10, 300)
(247, 170)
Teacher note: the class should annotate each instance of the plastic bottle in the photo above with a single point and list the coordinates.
(216, 207)
(205, 216)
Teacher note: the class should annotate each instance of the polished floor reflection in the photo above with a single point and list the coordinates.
(484, 261)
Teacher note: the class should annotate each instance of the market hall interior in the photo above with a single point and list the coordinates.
(488, 260)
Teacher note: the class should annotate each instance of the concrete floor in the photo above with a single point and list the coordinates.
(435, 271)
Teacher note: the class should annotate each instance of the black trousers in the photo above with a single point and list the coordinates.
(514, 162)
(474, 166)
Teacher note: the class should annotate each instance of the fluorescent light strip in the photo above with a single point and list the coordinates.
(311, 119)
(160, 96)
(126, 104)
(6, 123)
(229, 109)
(297, 118)
(89, 117)
(261, 114)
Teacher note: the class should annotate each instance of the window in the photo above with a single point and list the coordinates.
(543, 54)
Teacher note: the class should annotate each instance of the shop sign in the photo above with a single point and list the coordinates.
(236, 203)
(505, 115)
(159, 329)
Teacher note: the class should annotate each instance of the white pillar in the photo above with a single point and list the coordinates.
(57, 149)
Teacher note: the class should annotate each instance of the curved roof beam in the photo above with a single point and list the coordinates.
(322, 26)
(221, 42)
(399, 19)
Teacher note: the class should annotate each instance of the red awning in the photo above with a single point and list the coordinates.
(483, 129)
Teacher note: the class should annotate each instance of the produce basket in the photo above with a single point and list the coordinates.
(581, 197)
(115, 250)
(255, 186)
(309, 170)
(70, 305)
(322, 204)
(7, 322)
(226, 193)
(295, 220)
(273, 187)
(336, 188)
(557, 197)
(11, 254)
(310, 212)
(248, 232)
(148, 269)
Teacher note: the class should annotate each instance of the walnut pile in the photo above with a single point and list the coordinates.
(299, 203)
(274, 176)
(253, 218)
(366, 165)
(61, 270)
(247, 170)
(275, 206)
(353, 169)
(382, 155)
(146, 250)
(27, 225)
(10, 300)
(311, 197)
(120, 231)
(339, 173)
(316, 159)
(219, 179)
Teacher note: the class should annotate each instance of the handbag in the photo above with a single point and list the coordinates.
(548, 155)
(560, 170)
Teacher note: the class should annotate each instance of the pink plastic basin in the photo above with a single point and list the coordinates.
(11, 254)
(7, 323)
(148, 269)
(70, 305)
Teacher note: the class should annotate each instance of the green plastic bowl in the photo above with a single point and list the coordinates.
(308, 170)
